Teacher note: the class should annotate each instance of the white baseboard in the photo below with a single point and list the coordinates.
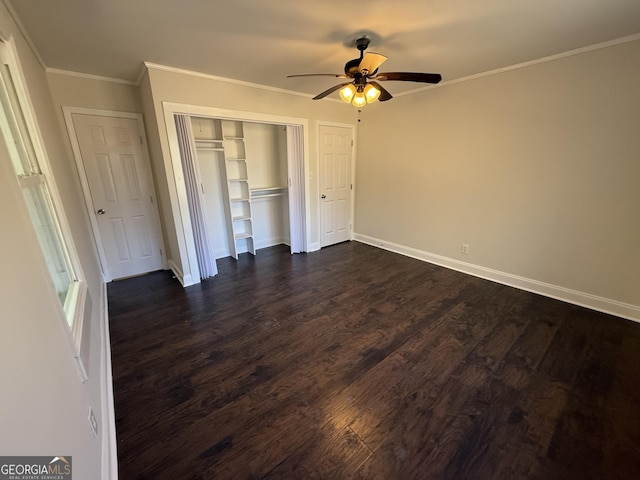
(185, 280)
(594, 302)
(220, 253)
(108, 418)
(268, 242)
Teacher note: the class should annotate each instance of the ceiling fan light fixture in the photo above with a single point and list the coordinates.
(363, 70)
(371, 93)
(347, 93)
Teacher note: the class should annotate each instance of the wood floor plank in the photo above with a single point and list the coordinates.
(354, 362)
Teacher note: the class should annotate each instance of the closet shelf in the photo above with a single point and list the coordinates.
(238, 180)
(210, 149)
(240, 199)
(258, 197)
(208, 144)
(233, 138)
(241, 218)
(236, 159)
(238, 236)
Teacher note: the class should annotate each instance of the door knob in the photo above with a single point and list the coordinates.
(100, 211)
(323, 196)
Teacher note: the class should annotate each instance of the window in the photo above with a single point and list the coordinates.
(30, 165)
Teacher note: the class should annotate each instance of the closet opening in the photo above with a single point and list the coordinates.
(243, 184)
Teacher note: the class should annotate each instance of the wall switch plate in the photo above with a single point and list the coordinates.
(465, 248)
(93, 423)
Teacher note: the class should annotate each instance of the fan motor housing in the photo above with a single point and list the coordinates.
(362, 43)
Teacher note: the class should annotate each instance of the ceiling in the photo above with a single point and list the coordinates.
(262, 41)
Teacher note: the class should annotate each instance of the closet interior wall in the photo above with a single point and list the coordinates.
(243, 174)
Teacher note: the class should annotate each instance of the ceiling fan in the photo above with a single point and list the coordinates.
(364, 87)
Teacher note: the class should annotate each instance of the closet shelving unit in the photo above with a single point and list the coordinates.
(242, 173)
(237, 195)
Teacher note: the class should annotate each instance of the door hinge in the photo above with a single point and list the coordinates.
(352, 142)
(351, 186)
(140, 137)
(151, 198)
(202, 188)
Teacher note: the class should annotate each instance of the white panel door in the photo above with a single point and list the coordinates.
(335, 184)
(121, 188)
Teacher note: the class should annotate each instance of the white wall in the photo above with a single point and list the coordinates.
(43, 404)
(161, 85)
(167, 218)
(536, 169)
(77, 91)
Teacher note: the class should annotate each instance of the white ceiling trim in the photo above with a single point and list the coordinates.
(155, 66)
(551, 58)
(90, 76)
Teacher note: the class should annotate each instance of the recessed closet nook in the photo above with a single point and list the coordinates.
(237, 183)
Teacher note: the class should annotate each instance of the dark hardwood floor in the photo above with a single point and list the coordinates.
(354, 362)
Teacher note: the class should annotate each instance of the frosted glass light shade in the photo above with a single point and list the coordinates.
(347, 93)
(371, 93)
(359, 100)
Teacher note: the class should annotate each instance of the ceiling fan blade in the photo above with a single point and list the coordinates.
(384, 94)
(330, 90)
(335, 75)
(371, 62)
(410, 77)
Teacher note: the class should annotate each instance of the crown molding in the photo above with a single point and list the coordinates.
(166, 68)
(90, 76)
(550, 58)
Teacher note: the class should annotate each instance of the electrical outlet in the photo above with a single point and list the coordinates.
(465, 249)
(93, 423)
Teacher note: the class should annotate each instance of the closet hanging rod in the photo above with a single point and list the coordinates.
(267, 195)
(268, 189)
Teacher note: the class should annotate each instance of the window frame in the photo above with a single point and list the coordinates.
(71, 312)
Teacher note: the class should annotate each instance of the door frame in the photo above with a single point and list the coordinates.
(353, 130)
(68, 113)
(177, 192)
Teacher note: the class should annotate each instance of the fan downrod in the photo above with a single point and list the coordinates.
(351, 67)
